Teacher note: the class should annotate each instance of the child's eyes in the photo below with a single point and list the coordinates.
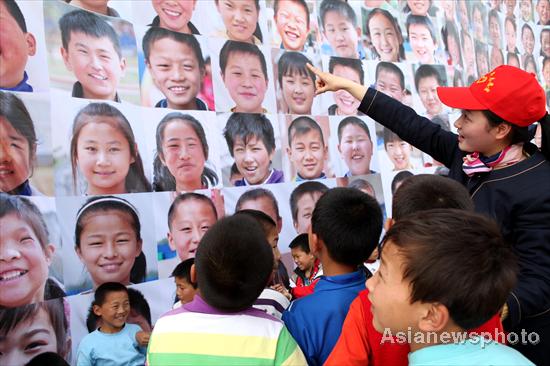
(114, 149)
(239, 149)
(16, 145)
(205, 228)
(237, 73)
(82, 51)
(122, 241)
(27, 240)
(90, 148)
(33, 345)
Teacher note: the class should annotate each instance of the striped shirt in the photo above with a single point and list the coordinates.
(198, 334)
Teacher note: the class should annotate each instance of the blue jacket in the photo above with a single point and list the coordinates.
(517, 197)
(315, 321)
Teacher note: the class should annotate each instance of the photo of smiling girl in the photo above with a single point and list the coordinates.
(103, 151)
(26, 253)
(241, 20)
(181, 158)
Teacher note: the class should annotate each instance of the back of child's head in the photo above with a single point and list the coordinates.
(231, 47)
(87, 23)
(339, 6)
(301, 126)
(420, 20)
(349, 223)
(456, 258)
(105, 113)
(185, 197)
(426, 71)
(163, 180)
(391, 68)
(155, 34)
(139, 304)
(103, 290)
(300, 242)
(47, 358)
(398, 180)
(293, 63)
(183, 271)
(16, 13)
(111, 203)
(246, 126)
(352, 63)
(354, 121)
(25, 210)
(426, 192)
(233, 263)
(302, 3)
(263, 219)
(256, 194)
(310, 187)
(57, 315)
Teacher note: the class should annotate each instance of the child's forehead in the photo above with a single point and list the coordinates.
(103, 43)
(335, 16)
(388, 76)
(113, 296)
(192, 207)
(309, 135)
(291, 5)
(249, 139)
(243, 59)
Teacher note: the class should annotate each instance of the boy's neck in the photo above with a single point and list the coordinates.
(450, 333)
(332, 268)
(192, 105)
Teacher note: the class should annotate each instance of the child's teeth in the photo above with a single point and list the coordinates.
(11, 275)
(99, 77)
(172, 13)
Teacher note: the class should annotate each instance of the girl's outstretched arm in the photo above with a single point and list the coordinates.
(328, 82)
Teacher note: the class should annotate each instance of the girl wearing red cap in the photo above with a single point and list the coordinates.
(507, 176)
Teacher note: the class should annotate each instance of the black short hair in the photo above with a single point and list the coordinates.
(47, 358)
(301, 242)
(339, 6)
(265, 221)
(247, 126)
(241, 47)
(302, 125)
(421, 20)
(233, 263)
(425, 71)
(309, 187)
(181, 198)
(292, 62)
(183, 271)
(349, 223)
(139, 304)
(353, 63)
(399, 178)
(257, 193)
(302, 3)
(154, 34)
(426, 192)
(105, 289)
(390, 136)
(473, 288)
(391, 68)
(355, 121)
(85, 22)
(16, 13)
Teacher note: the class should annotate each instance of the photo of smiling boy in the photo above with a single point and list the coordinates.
(390, 80)
(306, 149)
(177, 68)
(240, 19)
(296, 84)
(422, 38)
(341, 29)
(91, 50)
(175, 15)
(398, 151)
(243, 70)
(355, 146)
(427, 79)
(17, 44)
(351, 69)
(251, 142)
(292, 23)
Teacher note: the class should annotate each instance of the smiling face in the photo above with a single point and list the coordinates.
(543, 10)
(389, 83)
(399, 153)
(545, 43)
(23, 263)
(113, 312)
(191, 221)
(252, 159)
(108, 246)
(422, 43)
(174, 14)
(292, 25)
(28, 339)
(355, 147)
(341, 34)
(95, 64)
(345, 102)
(240, 18)
(419, 7)
(474, 133)
(427, 90)
(526, 9)
(385, 38)
(528, 41)
(494, 31)
(15, 48)
(15, 157)
(245, 80)
(303, 260)
(307, 154)
(183, 155)
(103, 156)
(176, 73)
(298, 91)
(511, 35)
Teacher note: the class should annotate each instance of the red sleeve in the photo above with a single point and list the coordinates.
(352, 347)
(301, 291)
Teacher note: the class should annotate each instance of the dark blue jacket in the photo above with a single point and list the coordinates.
(517, 197)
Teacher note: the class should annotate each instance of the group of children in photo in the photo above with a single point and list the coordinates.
(215, 206)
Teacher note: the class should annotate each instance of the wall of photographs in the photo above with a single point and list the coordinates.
(130, 105)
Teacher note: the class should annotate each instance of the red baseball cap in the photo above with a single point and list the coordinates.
(511, 93)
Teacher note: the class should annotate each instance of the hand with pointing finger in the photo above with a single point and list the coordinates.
(328, 82)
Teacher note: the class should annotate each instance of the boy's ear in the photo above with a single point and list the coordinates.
(49, 251)
(31, 44)
(325, 149)
(193, 273)
(313, 240)
(434, 317)
(96, 309)
(78, 252)
(122, 66)
(289, 152)
(279, 224)
(65, 57)
(171, 241)
(358, 30)
(388, 223)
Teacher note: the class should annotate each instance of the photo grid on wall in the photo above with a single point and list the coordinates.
(133, 127)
